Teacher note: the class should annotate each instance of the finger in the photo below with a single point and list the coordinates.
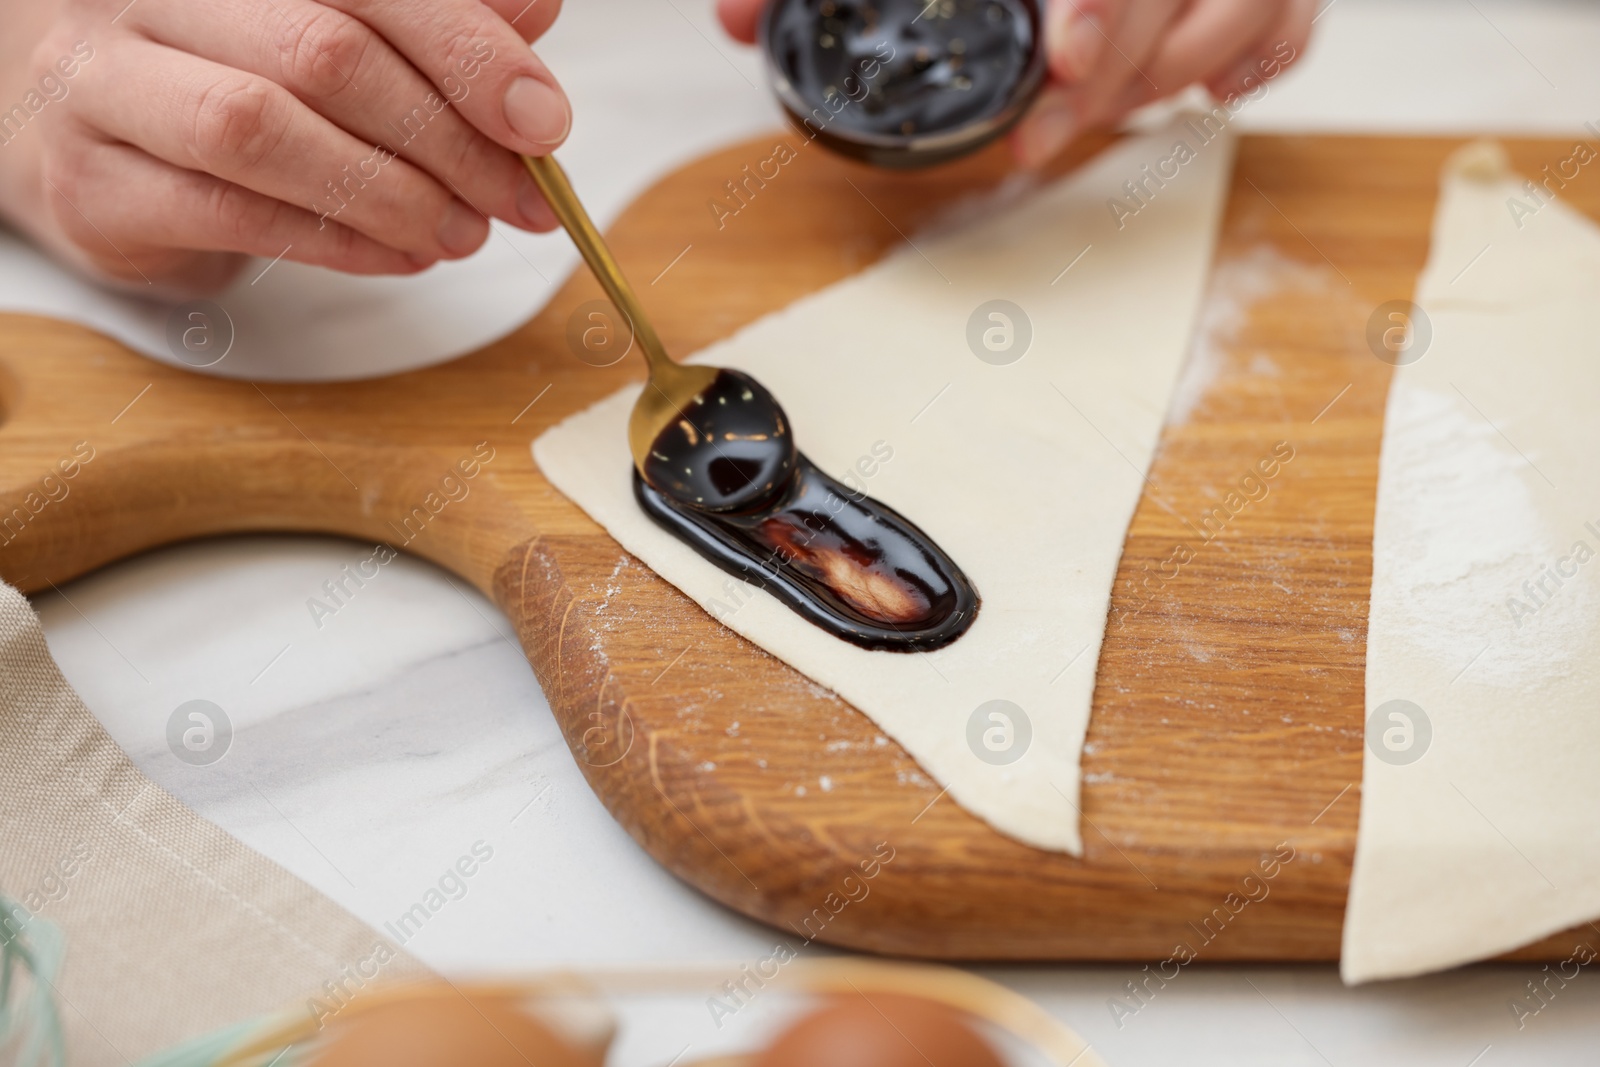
(1210, 38)
(1283, 42)
(251, 132)
(343, 70)
(1074, 35)
(1131, 42)
(178, 212)
(1047, 128)
(519, 106)
(741, 18)
(1063, 111)
(530, 18)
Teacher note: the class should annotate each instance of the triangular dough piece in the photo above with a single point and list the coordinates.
(1027, 473)
(1480, 816)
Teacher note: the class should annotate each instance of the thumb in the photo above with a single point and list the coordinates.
(1047, 128)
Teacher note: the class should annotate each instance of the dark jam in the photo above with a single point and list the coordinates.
(851, 565)
(725, 479)
(905, 68)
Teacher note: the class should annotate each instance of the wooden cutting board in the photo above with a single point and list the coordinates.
(1228, 709)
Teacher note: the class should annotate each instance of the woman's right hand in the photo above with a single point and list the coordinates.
(155, 144)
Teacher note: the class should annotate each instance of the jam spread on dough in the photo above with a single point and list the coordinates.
(765, 513)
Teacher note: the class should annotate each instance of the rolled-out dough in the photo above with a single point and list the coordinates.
(1026, 471)
(1480, 815)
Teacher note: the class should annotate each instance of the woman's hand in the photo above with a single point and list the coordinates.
(156, 143)
(1108, 57)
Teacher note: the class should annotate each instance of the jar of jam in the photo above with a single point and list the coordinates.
(904, 83)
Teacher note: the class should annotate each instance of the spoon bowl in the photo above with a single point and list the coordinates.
(728, 450)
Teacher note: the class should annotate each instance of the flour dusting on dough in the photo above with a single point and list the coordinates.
(1480, 537)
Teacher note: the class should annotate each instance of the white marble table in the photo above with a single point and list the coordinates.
(374, 749)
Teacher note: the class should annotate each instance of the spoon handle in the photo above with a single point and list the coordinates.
(553, 183)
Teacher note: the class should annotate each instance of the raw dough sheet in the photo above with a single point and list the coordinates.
(1027, 472)
(1480, 815)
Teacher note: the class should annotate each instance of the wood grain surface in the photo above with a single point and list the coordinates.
(1228, 709)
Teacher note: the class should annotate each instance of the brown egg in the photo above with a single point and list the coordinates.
(446, 1030)
(880, 1030)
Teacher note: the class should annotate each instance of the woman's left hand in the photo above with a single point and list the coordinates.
(1108, 57)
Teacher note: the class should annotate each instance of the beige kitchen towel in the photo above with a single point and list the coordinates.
(172, 927)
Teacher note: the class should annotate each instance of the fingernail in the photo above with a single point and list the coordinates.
(462, 230)
(1072, 40)
(1047, 131)
(538, 112)
(532, 207)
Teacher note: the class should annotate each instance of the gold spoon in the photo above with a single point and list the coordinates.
(712, 439)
